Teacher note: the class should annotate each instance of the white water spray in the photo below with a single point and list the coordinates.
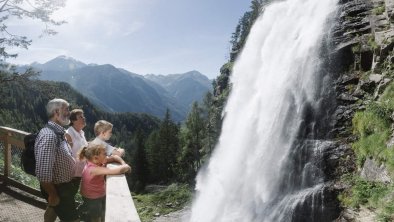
(273, 79)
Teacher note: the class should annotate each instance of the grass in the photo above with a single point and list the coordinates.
(374, 195)
(173, 198)
(373, 129)
(363, 192)
(379, 10)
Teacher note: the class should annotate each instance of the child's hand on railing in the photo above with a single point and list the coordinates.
(126, 168)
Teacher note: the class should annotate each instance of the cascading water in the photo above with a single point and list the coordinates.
(267, 164)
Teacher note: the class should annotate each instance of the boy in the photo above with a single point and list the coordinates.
(103, 132)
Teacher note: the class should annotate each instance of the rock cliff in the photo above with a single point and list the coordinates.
(361, 60)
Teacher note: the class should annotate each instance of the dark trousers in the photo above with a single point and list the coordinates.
(95, 207)
(66, 210)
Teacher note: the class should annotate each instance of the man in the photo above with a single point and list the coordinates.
(55, 164)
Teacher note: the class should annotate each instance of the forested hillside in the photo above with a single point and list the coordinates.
(118, 90)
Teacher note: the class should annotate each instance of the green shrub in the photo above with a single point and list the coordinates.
(364, 192)
(173, 198)
(372, 127)
(387, 98)
(372, 43)
(379, 10)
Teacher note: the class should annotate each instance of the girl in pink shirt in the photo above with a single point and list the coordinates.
(93, 178)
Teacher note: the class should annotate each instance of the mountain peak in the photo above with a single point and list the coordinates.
(62, 63)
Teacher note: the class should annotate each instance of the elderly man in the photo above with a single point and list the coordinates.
(55, 164)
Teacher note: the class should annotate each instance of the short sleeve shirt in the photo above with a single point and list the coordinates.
(108, 148)
(54, 160)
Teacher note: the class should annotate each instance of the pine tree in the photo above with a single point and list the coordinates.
(140, 163)
(193, 143)
(163, 148)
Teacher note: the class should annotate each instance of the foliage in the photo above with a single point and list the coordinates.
(140, 175)
(162, 151)
(192, 144)
(372, 43)
(364, 192)
(17, 173)
(379, 10)
(387, 98)
(171, 199)
(374, 195)
(40, 10)
(356, 48)
(372, 127)
(8, 73)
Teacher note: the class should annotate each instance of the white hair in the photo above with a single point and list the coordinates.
(55, 104)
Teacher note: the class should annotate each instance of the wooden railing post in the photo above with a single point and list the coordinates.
(7, 158)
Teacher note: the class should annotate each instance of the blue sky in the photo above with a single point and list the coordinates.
(142, 36)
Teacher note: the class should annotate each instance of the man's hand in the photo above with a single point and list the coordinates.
(53, 200)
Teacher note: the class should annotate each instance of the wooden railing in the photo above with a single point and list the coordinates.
(119, 203)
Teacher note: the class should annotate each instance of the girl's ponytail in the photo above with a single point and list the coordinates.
(82, 153)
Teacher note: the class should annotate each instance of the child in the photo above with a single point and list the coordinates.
(103, 132)
(93, 181)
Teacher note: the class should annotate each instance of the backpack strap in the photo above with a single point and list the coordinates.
(60, 136)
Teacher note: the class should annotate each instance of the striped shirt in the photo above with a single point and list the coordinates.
(54, 160)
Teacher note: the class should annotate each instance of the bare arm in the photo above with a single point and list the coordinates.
(110, 171)
(115, 158)
(118, 152)
(53, 198)
(68, 139)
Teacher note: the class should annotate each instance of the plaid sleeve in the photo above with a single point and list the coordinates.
(45, 150)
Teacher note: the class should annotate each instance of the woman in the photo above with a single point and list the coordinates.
(76, 138)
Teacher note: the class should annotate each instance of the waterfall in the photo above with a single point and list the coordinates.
(267, 164)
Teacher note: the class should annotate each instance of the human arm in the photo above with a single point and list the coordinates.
(69, 139)
(115, 158)
(53, 198)
(110, 171)
(118, 151)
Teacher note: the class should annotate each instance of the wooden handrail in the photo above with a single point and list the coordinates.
(119, 203)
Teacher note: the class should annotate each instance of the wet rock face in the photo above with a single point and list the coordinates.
(362, 42)
(352, 21)
(362, 55)
(372, 171)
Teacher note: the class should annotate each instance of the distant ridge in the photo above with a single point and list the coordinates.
(119, 90)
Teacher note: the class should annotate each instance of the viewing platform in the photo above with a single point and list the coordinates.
(21, 200)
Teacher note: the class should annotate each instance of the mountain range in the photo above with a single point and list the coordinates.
(118, 90)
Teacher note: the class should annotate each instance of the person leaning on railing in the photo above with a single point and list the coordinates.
(103, 132)
(93, 188)
(55, 164)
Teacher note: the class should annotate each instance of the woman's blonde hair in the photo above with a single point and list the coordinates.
(90, 151)
(102, 126)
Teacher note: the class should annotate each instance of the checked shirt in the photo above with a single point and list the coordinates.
(54, 160)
